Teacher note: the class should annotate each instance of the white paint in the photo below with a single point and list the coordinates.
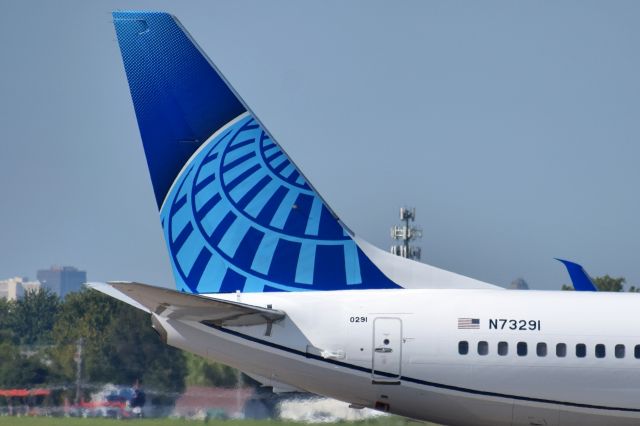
(462, 389)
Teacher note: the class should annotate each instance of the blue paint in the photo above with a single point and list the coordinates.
(306, 263)
(284, 210)
(262, 261)
(330, 255)
(248, 249)
(313, 222)
(232, 282)
(172, 86)
(234, 154)
(181, 219)
(579, 277)
(299, 215)
(352, 264)
(232, 237)
(251, 194)
(189, 251)
(248, 184)
(257, 204)
(238, 215)
(285, 261)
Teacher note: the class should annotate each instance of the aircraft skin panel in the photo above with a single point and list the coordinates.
(334, 358)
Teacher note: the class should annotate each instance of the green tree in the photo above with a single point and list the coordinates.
(119, 344)
(17, 369)
(33, 317)
(202, 372)
(6, 311)
(607, 283)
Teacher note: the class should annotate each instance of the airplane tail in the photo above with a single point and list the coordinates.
(237, 213)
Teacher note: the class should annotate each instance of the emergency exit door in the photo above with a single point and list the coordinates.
(387, 350)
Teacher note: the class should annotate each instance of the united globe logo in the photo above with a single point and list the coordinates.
(240, 216)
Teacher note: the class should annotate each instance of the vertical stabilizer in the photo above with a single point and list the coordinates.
(237, 214)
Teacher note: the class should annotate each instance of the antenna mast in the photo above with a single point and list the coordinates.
(405, 234)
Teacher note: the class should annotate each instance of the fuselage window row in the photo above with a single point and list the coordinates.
(600, 350)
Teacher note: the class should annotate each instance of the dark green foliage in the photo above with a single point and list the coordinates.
(32, 317)
(39, 335)
(607, 283)
(16, 369)
(202, 372)
(119, 344)
(6, 308)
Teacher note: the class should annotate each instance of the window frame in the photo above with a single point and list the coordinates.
(603, 347)
(520, 345)
(581, 350)
(545, 349)
(484, 345)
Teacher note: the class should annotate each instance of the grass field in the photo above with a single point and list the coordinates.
(51, 421)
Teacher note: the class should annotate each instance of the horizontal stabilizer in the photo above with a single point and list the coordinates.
(173, 304)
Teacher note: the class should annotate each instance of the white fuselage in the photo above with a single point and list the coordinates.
(399, 351)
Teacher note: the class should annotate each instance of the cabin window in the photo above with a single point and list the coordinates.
(541, 349)
(581, 350)
(600, 351)
(483, 348)
(522, 348)
(503, 348)
(636, 351)
(463, 347)
(619, 351)
(561, 350)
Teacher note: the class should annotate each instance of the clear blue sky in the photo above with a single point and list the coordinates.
(512, 127)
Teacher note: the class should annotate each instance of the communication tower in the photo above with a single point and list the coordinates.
(405, 234)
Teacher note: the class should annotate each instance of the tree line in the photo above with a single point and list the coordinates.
(607, 283)
(40, 335)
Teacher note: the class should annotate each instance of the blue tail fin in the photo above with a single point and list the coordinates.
(579, 277)
(237, 214)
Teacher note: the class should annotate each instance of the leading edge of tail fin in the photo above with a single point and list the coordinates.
(237, 214)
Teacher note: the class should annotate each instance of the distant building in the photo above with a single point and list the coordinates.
(519, 284)
(31, 286)
(62, 280)
(14, 288)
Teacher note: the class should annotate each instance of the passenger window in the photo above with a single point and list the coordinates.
(636, 351)
(600, 351)
(503, 348)
(522, 348)
(619, 350)
(561, 350)
(541, 349)
(581, 350)
(463, 347)
(483, 348)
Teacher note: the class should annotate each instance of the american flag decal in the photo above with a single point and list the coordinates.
(468, 324)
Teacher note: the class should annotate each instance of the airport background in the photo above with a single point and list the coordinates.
(513, 128)
(67, 351)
